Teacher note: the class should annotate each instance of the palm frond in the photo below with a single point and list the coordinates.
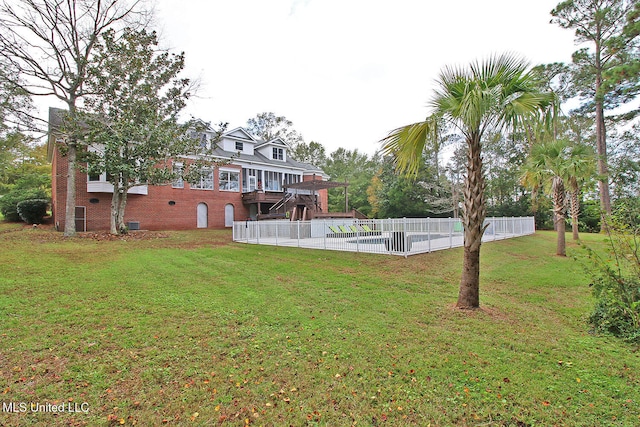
(407, 143)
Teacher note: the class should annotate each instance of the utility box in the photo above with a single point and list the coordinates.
(398, 242)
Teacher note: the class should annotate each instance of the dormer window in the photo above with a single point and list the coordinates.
(201, 137)
(278, 153)
(239, 146)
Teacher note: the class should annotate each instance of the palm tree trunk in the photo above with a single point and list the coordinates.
(469, 292)
(561, 249)
(559, 195)
(473, 221)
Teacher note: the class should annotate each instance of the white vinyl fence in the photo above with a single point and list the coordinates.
(405, 236)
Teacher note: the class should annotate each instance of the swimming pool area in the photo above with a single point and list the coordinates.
(404, 236)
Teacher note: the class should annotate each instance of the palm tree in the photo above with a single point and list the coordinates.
(580, 167)
(544, 169)
(487, 95)
(554, 165)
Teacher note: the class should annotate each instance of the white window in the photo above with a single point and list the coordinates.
(239, 146)
(273, 181)
(205, 182)
(179, 182)
(229, 181)
(291, 178)
(249, 180)
(103, 177)
(278, 153)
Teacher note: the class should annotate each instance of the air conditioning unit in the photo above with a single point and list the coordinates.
(133, 225)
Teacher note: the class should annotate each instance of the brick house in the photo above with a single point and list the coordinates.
(259, 181)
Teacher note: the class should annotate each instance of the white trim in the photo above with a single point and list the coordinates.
(242, 130)
(236, 172)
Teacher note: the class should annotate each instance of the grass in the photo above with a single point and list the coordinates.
(191, 329)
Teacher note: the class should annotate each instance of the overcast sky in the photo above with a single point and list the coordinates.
(346, 72)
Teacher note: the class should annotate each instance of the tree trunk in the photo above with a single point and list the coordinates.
(601, 134)
(118, 205)
(122, 228)
(473, 221)
(559, 199)
(575, 213)
(561, 249)
(115, 203)
(72, 156)
(70, 203)
(469, 293)
(603, 168)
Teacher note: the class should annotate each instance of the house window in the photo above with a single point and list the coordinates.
(278, 153)
(250, 180)
(201, 137)
(205, 182)
(273, 181)
(229, 181)
(102, 177)
(291, 178)
(177, 170)
(239, 146)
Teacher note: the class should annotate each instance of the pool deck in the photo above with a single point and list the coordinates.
(419, 242)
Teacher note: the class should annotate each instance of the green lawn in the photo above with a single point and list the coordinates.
(192, 329)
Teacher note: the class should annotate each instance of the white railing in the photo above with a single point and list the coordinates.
(405, 236)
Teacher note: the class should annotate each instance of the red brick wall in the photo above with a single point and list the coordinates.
(153, 210)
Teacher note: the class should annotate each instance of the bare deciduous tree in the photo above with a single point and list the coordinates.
(50, 44)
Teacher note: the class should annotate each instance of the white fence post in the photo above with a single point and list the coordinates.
(324, 232)
(495, 228)
(429, 234)
(405, 237)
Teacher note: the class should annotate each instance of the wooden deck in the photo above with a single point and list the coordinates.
(262, 197)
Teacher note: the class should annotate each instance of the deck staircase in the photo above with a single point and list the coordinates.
(299, 206)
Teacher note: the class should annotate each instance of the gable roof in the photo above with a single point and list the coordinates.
(276, 141)
(239, 133)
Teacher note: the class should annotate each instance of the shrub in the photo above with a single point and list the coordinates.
(33, 210)
(9, 202)
(616, 281)
(590, 214)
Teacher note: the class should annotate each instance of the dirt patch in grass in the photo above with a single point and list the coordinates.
(492, 313)
(190, 239)
(132, 235)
